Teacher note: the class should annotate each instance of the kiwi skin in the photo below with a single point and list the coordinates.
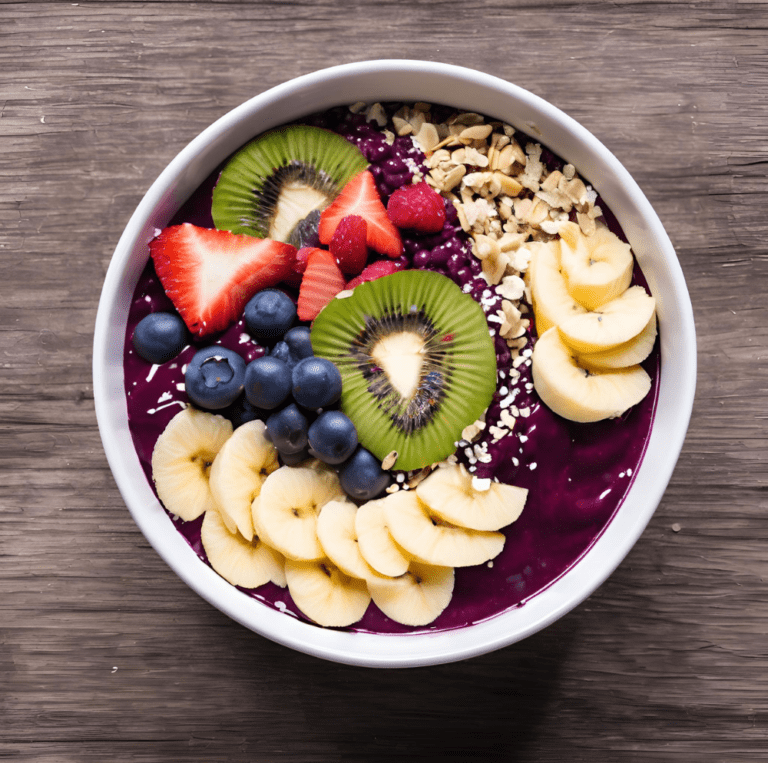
(457, 379)
(276, 180)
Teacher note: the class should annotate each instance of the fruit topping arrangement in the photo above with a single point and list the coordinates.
(355, 354)
(594, 328)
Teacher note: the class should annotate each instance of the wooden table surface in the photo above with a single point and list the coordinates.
(105, 655)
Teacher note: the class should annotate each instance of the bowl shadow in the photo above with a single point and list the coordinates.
(481, 708)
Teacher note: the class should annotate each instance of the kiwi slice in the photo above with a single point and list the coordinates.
(417, 363)
(271, 184)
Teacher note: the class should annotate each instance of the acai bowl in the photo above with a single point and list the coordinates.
(586, 488)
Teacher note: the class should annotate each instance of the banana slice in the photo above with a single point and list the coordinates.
(623, 355)
(244, 563)
(613, 324)
(238, 473)
(426, 538)
(416, 597)
(182, 458)
(285, 512)
(597, 268)
(375, 542)
(449, 494)
(338, 537)
(325, 594)
(552, 303)
(580, 395)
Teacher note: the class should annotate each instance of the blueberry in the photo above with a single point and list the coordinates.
(160, 337)
(282, 351)
(299, 342)
(242, 412)
(362, 477)
(295, 346)
(267, 382)
(294, 459)
(214, 377)
(332, 437)
(316, 383)
(269, 314)
(287, 429)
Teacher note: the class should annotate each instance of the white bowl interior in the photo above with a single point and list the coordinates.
(466, 89)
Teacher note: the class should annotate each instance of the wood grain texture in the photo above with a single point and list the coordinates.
(106, 655)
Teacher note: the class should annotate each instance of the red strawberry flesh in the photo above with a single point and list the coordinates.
(376, 270)
(209, 274)
(322, 281)
(361, 197)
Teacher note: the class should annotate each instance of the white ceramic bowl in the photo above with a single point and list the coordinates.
(466, 89)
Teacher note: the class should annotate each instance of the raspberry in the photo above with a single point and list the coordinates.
(348, 244)
(417, 207)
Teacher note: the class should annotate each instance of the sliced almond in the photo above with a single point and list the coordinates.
(428, 137)
(509, 186)
(453, 177)
(476, 132)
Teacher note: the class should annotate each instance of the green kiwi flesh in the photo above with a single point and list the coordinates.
(277, 179)
(417, 363)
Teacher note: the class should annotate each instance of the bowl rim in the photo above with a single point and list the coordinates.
(644, 230)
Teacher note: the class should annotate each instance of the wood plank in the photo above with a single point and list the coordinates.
(106, 655)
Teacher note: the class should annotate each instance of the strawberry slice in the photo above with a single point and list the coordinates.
(298, 266)
(361, 197)
(376, 270)
(210, 274)
(349, 244)
(321, 283)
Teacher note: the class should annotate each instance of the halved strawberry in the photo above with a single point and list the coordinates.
(322, 281)
(376, 270)
(361, 197)
(348, 244)
(210, 274)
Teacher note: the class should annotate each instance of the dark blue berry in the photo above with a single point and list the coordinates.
(294, 459)
(332, 437)
(160, 337)
(267, 382)
(269, 314)
(241, 412)
(282, 351)
(214, 377)
(299, 342)
(287, 429)
(362, 477)
(294, 346)
(316, 383)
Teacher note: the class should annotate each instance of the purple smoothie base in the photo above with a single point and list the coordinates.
(572, 497)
